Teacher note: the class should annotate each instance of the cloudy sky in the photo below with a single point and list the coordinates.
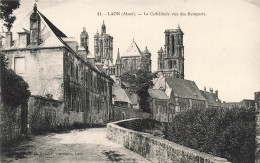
(221, 48)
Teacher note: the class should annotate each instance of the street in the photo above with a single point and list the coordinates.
(87, 145)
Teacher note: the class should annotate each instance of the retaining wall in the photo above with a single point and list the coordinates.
(154, 148)
(10, 123)
(121, 113)
(46, 114)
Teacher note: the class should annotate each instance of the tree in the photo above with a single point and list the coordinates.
(139, 83)
(15, 89)
(7, 7)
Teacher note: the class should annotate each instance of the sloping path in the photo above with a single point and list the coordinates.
(88, 145)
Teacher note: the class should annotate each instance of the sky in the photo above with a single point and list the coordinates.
(221, 48)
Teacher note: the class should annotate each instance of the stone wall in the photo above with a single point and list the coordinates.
(10, 123)
(41, 68)
(46, 114)
(121, 113)
(154, 148)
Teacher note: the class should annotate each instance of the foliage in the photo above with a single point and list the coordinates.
(14, 87)
(140, 83)
(227, 133)
(7, 7)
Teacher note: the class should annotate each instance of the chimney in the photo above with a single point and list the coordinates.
(8, 39)
(205, 89)
(211, 90)
(24, 38)
(35, 27)
(216, 93)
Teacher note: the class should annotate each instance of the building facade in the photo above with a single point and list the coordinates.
(134, 59)
(171, 58)
(212, 100)
(49, 62)
(183, 94)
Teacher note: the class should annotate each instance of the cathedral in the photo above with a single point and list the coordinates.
(134, 59)
(130, 61)
(171, 58)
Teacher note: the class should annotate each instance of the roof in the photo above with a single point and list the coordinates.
(211, 98)
(244, 103)
(51, 36)
(132, 50)
(133, 97)
(100, 68)
(120, 94)
(184, 88)
(158, 94)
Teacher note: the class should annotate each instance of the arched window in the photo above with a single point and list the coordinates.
(126, 65)
(170, 64)
(173, 44)
(174, 64)
(123, 116)
(134, 65)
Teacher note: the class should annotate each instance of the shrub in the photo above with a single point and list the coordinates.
(227, 133)
(15, 89)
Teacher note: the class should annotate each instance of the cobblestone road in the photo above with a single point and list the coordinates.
(88, 145)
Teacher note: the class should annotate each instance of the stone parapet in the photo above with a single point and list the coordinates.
(154, 148)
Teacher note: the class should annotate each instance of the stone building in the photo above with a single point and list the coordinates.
(134, 59)
(183, 94)
(245, 103)
(159, 106)
(171, 58)
(50, 62)
(212, 100)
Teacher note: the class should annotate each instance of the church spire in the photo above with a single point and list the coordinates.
(103, 28)
(118, 59)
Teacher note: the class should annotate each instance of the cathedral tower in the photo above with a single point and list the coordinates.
(171, 59)
(103, 46)
(35, 27)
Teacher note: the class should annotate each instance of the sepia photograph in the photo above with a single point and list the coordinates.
(130, 81)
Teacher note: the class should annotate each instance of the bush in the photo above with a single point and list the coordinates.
(227, 133)
(15, 89)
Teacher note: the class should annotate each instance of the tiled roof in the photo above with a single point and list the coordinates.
(132, 50)
(120, 94)
(158, 94)
(184, 88)
(210, 98)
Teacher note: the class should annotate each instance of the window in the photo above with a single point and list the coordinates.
(71, 69)
(77, 74)
(170, 64)
(174, 64)
(19, 65)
